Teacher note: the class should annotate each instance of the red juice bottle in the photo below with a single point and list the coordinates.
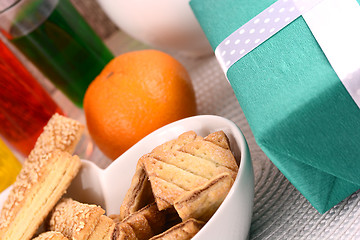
(25, 107)
(58, 41)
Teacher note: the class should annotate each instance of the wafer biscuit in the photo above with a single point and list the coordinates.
(51, 235)
(40, 169)
(75, 220)
(40, 184)
(139, 193)
(174, 171)
(182, 231)
(142, 224)
(202, 202)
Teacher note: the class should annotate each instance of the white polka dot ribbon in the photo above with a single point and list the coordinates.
(259, 29)
(334, 23)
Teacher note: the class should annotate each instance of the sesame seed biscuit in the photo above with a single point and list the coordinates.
(40, 184)
(182, 231)
(75, 220)
(51, 235)
(60, 133)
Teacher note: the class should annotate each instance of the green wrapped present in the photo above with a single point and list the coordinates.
(299, 111)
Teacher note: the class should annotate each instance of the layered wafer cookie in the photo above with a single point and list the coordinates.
(182, 231)
(212, 152)
(40, 184)
(41, 172)
(174, 171)
(75, 220)
(51, 235)
(202, 202)
(140, 192)
(141, 225)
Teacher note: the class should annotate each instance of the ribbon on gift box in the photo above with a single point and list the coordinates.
(334, 24)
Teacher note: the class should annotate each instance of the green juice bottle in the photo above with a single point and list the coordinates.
(54, 36)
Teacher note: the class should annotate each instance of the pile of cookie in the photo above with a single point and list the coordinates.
(175, 190)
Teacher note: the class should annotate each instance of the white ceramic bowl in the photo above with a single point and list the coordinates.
(107, 187)
(166, 24)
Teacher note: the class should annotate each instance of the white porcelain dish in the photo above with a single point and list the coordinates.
(107, 187)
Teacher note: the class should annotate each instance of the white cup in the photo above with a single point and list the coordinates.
(164, 24)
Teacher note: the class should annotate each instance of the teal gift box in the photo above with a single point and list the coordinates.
(300, 113)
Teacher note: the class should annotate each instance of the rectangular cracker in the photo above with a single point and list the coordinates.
(40, 184)
(60, 133)
(201, 203)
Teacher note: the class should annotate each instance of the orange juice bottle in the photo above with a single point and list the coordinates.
(9, 166)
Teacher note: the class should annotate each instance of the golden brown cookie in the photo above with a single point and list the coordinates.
(174, 171)
(219, 138)
(47, 171)
(202, 202)
(103, 230)
(139, 194)
(142, 224)
(40, 184)
(182, 231)
(51, 235)
(75, 220)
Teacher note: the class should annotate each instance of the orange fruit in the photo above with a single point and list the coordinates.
(135, 94)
